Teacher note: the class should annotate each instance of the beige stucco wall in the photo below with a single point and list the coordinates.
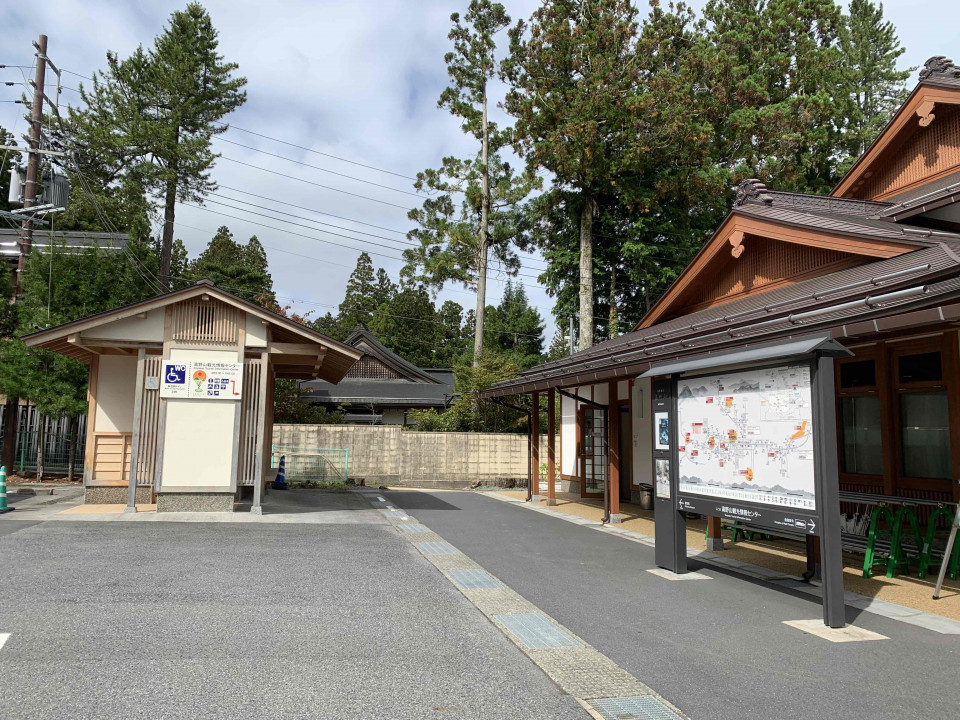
(256, 332)
(642, 433)
(116, 388)
(568, 423)
(136, 329)
(198, 439)
(390, 455)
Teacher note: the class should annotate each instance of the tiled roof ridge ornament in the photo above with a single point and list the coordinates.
(752, 190)
(939, 65)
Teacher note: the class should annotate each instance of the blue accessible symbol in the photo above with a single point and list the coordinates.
(175, 374)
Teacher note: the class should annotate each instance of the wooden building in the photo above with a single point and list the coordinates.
(874, 265)
(181, 395)
(382, 388)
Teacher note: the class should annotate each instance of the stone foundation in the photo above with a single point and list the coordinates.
(570, 486)
(195, 502)
(115, 495)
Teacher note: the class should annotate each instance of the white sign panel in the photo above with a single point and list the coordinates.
(748, 435)
(201, 380)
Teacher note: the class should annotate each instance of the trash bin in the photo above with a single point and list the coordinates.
(646, 496)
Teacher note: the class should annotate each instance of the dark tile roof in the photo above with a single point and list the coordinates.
(400, 393)
(759, 315)
(940, 70)
(361, 336)
(943, 191)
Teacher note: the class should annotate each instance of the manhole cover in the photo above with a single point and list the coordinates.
(639, 707)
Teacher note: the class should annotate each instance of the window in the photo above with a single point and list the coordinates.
(925, 367)
(925, 434)
(862, 452)
(860, 373)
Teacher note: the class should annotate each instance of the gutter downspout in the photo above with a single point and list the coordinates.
(606, 486)
(529, 415)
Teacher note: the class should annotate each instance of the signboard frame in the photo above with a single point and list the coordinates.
(670, 527)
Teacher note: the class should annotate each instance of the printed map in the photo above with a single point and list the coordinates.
(748, 435)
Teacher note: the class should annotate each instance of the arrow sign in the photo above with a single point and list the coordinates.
(811, 525)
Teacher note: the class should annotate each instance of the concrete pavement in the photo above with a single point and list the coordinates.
(717, 648)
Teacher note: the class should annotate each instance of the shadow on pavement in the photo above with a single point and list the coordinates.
(418, 500)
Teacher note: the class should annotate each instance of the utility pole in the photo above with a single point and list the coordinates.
(573, 345)
(10, 429)
(33, 161)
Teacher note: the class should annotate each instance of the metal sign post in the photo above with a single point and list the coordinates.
(670, 528)
(754, 444)
(947, 552)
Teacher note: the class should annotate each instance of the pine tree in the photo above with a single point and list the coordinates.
(870, 49)
(456, 241)
(153, 116)
(453, 342)
(573, 72)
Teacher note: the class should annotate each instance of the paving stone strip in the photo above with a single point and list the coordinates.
(911, 616)
(579, 669)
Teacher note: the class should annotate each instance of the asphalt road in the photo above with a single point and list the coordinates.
(177, 620)
(716, 648)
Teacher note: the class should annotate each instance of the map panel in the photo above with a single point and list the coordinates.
(747, 435)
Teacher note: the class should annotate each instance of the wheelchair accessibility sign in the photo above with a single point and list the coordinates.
(202, 380)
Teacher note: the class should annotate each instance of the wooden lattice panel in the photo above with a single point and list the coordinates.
(149, 423)
(249, 422)
(205, 322)
(929, 152)
(369, 368)
(762, 264)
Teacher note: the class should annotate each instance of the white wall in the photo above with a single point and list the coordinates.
(256, 332)
(198, 439)
(642, 433)
(148, 329)
(116, 390)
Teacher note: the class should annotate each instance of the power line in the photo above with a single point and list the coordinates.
(316, 167)
(311, 182)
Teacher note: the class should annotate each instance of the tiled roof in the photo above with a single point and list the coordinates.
(759, 315)
(940, 70)
(378, 392)
(943, 191)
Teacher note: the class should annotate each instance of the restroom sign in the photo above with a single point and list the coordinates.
(202, 380)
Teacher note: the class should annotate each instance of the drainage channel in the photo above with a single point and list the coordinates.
(603, 688)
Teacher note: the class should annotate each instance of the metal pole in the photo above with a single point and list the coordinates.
(947, 552)
(33, 160)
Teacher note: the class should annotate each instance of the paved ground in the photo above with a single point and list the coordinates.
(716, 648)
(219, 620)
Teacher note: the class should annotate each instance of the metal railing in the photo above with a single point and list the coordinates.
(308, 464)
(56, 442)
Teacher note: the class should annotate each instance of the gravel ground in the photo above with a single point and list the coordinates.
(164, 620)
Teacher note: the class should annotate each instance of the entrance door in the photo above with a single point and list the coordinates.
(593, 451)
(626, 458)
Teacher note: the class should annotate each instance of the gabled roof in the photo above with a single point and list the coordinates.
(939, 83)
(362, 339)
(933, 195)
(855, 228)
(851, 302)
(338, 358)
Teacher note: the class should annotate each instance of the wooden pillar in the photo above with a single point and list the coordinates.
(535, 446)
(551, 447)
(714, 539)
(613, 451)
(91, 441)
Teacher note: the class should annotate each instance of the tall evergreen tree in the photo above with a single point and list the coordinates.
(573, 73)
(870, 49)
(456, 242)
(239, 269)
(455, 336)
(515, 328)
(153, 115)
(361, 297)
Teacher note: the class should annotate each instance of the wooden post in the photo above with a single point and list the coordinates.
(551, 447)
(714, 539)
(90, 445)
(535, 446)
(261, 441)
(613, 452)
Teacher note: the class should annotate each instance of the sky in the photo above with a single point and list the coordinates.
(358, 80)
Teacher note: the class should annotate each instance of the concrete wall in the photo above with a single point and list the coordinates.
(389, 455)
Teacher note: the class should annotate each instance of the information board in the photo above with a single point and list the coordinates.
(746, 436)
(202, 380)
